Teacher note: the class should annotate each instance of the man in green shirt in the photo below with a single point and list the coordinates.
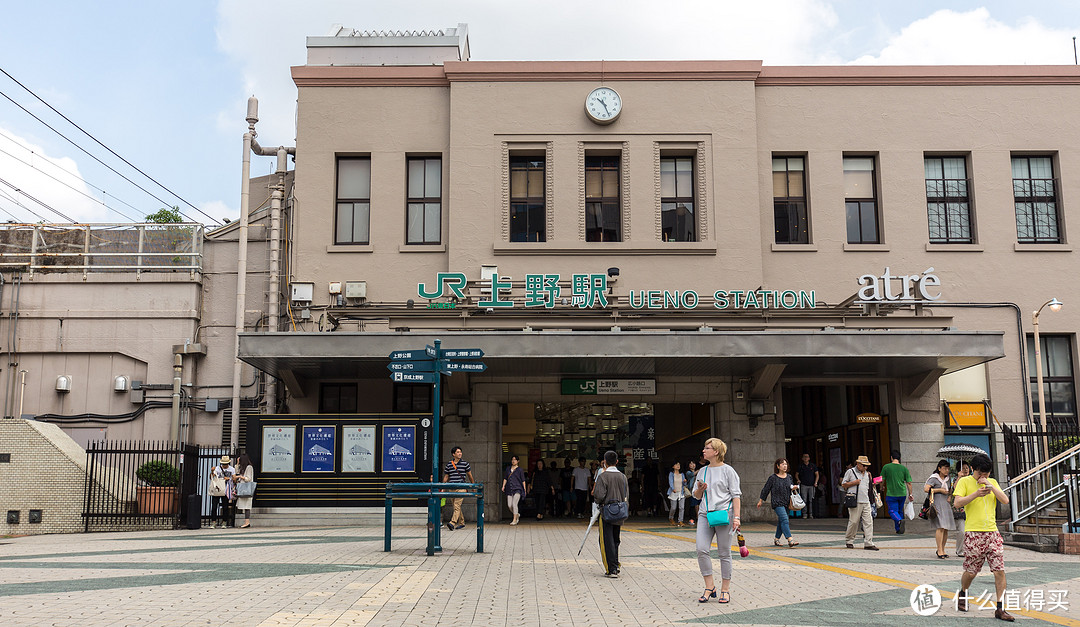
(896, 475)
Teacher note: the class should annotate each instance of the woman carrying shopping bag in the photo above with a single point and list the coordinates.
(779, 488)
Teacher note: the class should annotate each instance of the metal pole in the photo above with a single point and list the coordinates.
(178, 372)
(436, 506)
(388, 520)
(1039, 383)
(241, 270)
(22, 392)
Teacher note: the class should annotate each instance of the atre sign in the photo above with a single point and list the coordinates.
(900, 288)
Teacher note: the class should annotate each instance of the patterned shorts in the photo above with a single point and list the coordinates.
(982, 546)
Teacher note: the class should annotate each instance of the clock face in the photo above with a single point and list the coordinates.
(603, 105)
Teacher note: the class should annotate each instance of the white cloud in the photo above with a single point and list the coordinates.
(218, 209)
(56, 182)
(974, 38)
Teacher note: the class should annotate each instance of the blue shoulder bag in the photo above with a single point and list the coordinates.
(716, 518)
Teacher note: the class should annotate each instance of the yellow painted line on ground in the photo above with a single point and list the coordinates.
(770, 554)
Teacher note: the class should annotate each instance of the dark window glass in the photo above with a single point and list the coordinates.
(602, 207)
(412, 397)
(1035, 197)
(528, 220)
(860, 194)
(337, 398)
(423, 222)
(789, 201)
(1059, 387)
(948, 204)
(677, 217)
(351, 219)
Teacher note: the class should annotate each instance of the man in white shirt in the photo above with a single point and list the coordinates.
(581, 488)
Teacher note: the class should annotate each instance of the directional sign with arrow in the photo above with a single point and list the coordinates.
(413, 377)
(409, 355)
(413, 366)
(464, 366)
(462, 353)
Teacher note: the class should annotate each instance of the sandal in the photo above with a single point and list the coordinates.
(710, 593)
(792, 544)
(725, 596)
(245, 525)
(776, 542)
(941, 557)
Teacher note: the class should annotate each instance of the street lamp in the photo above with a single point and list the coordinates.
(1055, 305)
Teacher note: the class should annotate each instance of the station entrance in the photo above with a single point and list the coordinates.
(648, 437)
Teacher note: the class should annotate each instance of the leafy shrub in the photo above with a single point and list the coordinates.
(158, 473)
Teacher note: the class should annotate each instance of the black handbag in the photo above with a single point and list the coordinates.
(615, 513)
(851, 500)
(924, 513)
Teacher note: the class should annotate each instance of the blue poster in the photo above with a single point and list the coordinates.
(399, 448)
(318, 449)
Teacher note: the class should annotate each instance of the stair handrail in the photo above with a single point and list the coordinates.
(1036, 496)
(1050, 462)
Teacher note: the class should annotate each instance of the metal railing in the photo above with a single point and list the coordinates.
(90, 248)
(1046, 485)
(434, 492)
(123, 492)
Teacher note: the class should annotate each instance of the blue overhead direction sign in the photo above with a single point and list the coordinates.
(409, 355)
(461, 353)
(464, 366)
(414, 366)
(431, 351)
(413, 377)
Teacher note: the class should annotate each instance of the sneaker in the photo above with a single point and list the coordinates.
(903, 525)
(450, 526)
(1003, 615)
(871, 548)
(612, 575)
(850, 545)
(461, 526)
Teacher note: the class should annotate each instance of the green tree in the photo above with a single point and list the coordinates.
(166, 216)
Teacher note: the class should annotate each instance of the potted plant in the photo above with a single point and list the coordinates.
(159, 494)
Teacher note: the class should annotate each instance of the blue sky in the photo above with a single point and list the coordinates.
(164, 84)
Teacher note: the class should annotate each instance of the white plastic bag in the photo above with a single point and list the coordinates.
(909, 510)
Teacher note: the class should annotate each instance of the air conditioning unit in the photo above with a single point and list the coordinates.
(303, 293)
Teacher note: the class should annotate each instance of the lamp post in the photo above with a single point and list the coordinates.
(1055, 305)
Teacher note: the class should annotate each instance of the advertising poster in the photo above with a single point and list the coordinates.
(279, 449)
(399, 448)
(318, 449)
(357, 449)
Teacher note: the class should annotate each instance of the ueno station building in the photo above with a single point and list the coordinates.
(831, 260)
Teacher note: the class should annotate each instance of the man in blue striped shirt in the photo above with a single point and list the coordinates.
(457, 471)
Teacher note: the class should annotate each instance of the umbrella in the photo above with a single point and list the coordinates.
(960, 451)
(592, 521)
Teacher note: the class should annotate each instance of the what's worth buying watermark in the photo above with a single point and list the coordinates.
(926, 600)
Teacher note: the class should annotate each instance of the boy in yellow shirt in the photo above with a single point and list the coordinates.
(979, 495)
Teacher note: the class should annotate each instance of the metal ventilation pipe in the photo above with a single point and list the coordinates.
(274, 292)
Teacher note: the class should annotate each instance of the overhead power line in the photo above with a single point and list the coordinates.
(69, 140)
(16, 201)
(37, 201)
(69, 186)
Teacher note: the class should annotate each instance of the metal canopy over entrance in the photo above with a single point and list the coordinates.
(919, 356)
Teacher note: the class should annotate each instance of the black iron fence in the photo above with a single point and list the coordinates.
(132, 485)
(1025, 447)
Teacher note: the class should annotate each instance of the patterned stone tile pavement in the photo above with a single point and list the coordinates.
(529, 575)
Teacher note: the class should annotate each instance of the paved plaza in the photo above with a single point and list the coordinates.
(529, 575)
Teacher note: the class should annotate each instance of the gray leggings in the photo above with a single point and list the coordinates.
(705, 535)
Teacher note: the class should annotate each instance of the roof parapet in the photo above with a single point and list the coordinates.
(350, 46)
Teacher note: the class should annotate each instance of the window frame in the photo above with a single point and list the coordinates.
(338, 386)
(517, 156)
(691, 199)
(1033, 199)
(605, 202)
(423, 201)
(413, 389)
(788, 199)
(339, 200)
(945, 199)
(874, 200)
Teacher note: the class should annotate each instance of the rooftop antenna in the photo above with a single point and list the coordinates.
(1075, 60)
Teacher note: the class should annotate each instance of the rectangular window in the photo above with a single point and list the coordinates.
(677, 218)
(860, 199)
(528, 214)
(789, 200)
(412, 397)
(1059, 387)
(424, 214)
(337, 398)
(602, 206)
(353, 201)
(1035, 197)
(948, 205)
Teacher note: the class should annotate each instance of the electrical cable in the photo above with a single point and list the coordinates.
(37, 201)
(89, 154)
(85, 132)
(71, 187)
(16, 201)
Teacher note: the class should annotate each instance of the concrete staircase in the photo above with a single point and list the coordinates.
(1040, 532)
